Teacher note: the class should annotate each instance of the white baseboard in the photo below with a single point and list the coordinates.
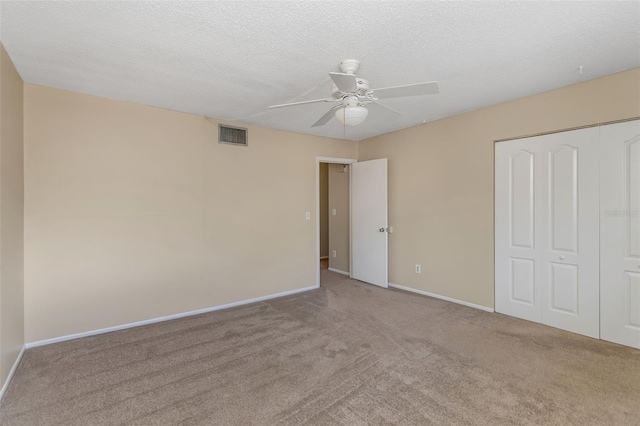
(437, 296)
(5, 386)
(339, 271)
(166, 318)
(324, 257)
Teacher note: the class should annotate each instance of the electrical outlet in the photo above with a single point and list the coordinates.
(418, 269)
(333, 253)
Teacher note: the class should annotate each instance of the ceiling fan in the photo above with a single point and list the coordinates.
(353, 96)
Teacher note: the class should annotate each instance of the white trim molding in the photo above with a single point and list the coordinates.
(339, 271)
(167, 318)
(437, 296)
(5, 386)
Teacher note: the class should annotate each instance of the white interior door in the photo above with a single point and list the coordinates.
(570, 233)
(517, 253)
(620, 233)
(369, 238)
(546, 230)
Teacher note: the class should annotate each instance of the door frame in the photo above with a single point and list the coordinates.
(331, 160)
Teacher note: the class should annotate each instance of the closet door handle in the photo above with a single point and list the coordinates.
(562, 257)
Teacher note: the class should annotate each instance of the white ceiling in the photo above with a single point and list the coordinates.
(232, 59)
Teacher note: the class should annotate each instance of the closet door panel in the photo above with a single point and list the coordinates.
(563, 198)
(570, 241)
(620, 233)
(632, 300)
(516, 248)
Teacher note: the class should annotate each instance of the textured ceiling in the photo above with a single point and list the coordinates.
(233, 59)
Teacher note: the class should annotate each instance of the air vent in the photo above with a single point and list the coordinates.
(232, 135)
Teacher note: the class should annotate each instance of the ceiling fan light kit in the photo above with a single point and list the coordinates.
(351, 115)
(354, 94)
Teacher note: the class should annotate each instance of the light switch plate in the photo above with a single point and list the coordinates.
(308, 215)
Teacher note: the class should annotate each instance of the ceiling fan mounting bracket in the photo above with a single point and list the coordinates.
(349, 66)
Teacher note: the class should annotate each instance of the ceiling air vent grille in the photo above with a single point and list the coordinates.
(232, 135)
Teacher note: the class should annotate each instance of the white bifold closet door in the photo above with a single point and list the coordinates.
(546, 230)
(620, 233)
(518, 263)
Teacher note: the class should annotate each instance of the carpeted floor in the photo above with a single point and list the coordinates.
(346, 354)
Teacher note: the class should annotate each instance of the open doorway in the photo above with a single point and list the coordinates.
(333, 217)
(324, 215)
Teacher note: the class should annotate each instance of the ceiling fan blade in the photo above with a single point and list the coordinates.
(344, 82)
(325, 118)
(383, 110)
(304, 102)
(419, 89)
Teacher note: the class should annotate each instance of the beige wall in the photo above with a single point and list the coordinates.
(339, 224)
(11, 216)
(441, 181)
(324, 209)
(134, 212)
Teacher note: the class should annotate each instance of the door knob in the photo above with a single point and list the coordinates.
(381, 229)
(562, 257)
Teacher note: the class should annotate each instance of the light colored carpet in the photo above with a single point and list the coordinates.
(346, 354)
